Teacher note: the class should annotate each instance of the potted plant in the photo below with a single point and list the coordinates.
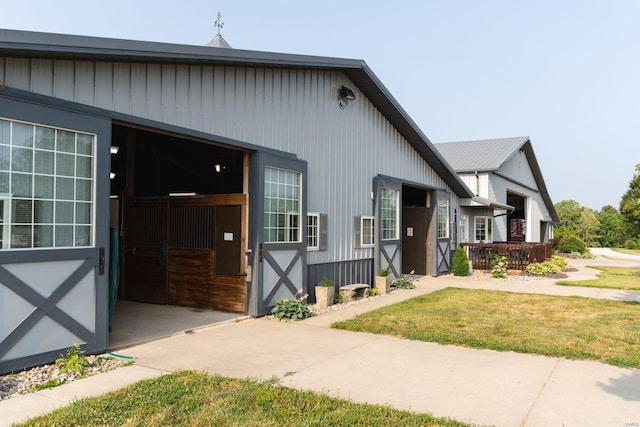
(325, 290)
(382, 280)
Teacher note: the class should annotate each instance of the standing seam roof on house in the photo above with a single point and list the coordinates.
(46, 45)
(480, 155)
(488, 155)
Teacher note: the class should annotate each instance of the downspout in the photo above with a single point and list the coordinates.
(477, 184)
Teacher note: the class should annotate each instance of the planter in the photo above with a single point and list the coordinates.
(324, 296)
(382, 284)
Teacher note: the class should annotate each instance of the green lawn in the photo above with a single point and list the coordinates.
(569, 327)
(627, 251)
(195, 399)
(611, 278)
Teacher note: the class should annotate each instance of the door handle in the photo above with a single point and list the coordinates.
(101, 262)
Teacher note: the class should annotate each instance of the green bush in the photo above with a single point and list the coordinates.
(460, 263)
(499, 267)
(338, 298)
(571, 244)
(631, 244)
(544, 268)
(384, 272)
(292, 309)
(402, 283)
(374, 292)
(559, 261)
(73, 361)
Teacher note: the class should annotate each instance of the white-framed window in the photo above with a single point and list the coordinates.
(464, 229)
(317, 231)
(389, 229)
(47, 178)
(483, 229)
(364, 227)
(282, 208)
(443, 217)
(313, 231)
(5, 221)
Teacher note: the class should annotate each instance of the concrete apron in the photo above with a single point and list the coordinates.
(476, 386)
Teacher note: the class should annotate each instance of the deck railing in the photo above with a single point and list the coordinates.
(519, 255)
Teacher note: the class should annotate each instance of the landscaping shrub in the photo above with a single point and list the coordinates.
(460, 263)
(551, 266)
(403, 283)
(572, 244)
(499, 267)
(559, 261)
(631, 244)
(292, 309)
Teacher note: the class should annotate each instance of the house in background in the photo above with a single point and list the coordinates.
(511, 203)
(231, 178)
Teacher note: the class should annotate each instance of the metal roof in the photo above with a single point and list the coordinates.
(488, 155)
(481, 155)
(48, 45)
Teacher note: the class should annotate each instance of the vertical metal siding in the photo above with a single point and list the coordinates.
(290, 110)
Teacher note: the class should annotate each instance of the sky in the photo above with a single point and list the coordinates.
(565, 73)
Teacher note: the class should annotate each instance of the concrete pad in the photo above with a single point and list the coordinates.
(484, 387)
(584, 393)
(21, 408)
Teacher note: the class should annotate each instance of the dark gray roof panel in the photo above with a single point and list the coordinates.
(32, 44)
(480, 155)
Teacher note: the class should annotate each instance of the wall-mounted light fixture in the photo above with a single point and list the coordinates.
(112, 175)
(114, 149)
(219, 167)
(345, 95)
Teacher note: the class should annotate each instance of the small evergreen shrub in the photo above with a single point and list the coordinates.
(572, 244)
(499, 267)
(631, 244)
(460, 263)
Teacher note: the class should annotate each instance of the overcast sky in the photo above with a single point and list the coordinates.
(565, 73)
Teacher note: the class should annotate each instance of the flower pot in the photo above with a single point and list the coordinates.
(324, 296)
(382, 284)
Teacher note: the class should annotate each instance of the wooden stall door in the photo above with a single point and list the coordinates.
(145, 255)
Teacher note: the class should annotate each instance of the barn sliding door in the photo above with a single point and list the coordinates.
(281, 234)
(54, 187)
(443, 232)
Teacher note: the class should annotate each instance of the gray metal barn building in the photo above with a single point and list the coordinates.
(231, 178)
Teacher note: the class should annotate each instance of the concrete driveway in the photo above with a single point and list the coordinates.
(476, 386)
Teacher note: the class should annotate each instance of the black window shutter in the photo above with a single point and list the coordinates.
(322, 232)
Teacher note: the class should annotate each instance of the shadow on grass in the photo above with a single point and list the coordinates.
(625, 386)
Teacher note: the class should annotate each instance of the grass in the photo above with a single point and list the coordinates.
(628, 251)
(569, 327)
(625, 278)
(190, 398)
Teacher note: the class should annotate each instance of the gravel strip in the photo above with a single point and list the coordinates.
(26, 381)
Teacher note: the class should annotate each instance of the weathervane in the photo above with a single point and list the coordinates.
(219, 23)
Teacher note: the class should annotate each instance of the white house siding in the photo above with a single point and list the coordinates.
(285, 109)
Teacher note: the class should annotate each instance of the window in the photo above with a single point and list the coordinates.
(443, 218)
(317, 231)
(282, 194)
(313, 235)
(483, 229)
(46, 186)
(464, 227)
(364, 232)
(389, 214)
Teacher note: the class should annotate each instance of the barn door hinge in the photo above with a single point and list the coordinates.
(260, 253)
(101, 261)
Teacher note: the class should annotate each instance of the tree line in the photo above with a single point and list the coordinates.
(610, 226)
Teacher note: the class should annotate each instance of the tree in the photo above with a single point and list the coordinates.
(569, 213)
(630, 203)
(587, 227)
(612, 230)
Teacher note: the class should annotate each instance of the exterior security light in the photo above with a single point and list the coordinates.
(114, 149)
(344, 95)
